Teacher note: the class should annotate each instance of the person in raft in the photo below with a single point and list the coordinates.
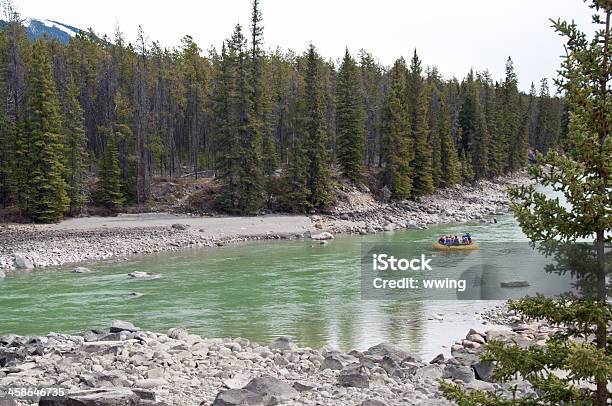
(466, 239)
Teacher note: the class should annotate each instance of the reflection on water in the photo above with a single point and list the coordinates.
(308, 291)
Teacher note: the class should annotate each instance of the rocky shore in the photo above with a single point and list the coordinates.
(127, 366)
(26, 247)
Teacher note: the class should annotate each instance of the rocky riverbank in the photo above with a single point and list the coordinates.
(92, 239)
(127, 366)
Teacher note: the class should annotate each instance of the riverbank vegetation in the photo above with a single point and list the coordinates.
(96, 121)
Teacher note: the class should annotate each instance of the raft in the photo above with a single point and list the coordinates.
(465, 247)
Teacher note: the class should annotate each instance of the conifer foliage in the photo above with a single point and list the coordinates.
(270, 130)
(46, 199)
(350, 117)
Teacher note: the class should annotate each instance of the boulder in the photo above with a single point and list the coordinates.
(461, 372)
(354, 376)
(392, 351)
(514, 284)
(438, 359)
(149, 383)
(179, 226)
(237, 397)
(238, 381)
(373, 402)
(178, 333)
(322, 236)
(81, 269)
(484, 370)
(143, 275)
(304, 386)
(2, 274)
(97, 397)
(430, 372)
(22, 262)
(271, 388)
(118, 326)
(337, 360)
(389, 227)
(282, 344)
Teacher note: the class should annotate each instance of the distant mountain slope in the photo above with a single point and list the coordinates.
(37, 28)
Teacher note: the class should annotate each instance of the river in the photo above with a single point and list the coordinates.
(260, 290)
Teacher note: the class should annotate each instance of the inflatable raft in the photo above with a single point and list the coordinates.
(463, 247)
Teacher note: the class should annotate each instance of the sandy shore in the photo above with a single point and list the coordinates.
(89, 239)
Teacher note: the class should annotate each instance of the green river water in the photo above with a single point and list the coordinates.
(259, 291)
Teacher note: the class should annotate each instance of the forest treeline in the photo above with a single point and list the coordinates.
(274, 127)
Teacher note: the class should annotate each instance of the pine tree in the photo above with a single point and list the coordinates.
(582, 175)
(519, 145)
(109, 190)
(546, 131)
(511, 116)
(396, 140)
(48, 200)
(467, 172)
(319, 182)
(350, 118)
(451, 167)
(480, 145)
(75, 149)
(422, 180)
(238, 130)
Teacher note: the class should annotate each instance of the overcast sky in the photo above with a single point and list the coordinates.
(453, 35)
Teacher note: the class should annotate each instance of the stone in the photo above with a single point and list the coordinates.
(484, 370)
(81, 269)
(238, 381)
(178, 333)
(272, 388)
(149, 383)
(438, 359)
(237, 397)
(500, 335)
(144, 275)
(22, 262)
(179, 226)
(322, 236)
(95, 397)
(354, 376)
(282, 344)
(460, 372)
(514, 284)
(303, 386)
(393, 351)
(118, 326)
(332, 362)
(477, 338)
(2, 274)
(479, 385)
(389, 227)
(373, 402)
(430, 372)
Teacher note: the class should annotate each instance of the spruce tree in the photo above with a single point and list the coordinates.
(451, 167)
(396, 139)
(238, 131)
(48, 200)
(319, 182)
(350, 120)
(511, 116)
(109, 190)
(75, 149)
(581, 351)
(422, 179)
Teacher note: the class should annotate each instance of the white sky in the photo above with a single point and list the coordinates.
(454, 35)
